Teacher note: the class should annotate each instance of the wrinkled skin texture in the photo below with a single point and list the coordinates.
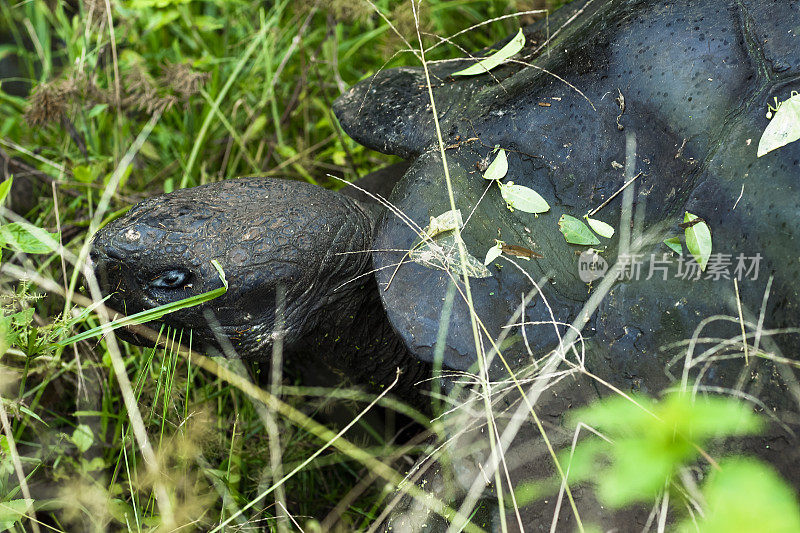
(696, 79)
(264, 233)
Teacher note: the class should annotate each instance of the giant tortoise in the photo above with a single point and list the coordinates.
(664, 99)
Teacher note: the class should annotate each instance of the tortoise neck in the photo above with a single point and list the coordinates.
(354, 338)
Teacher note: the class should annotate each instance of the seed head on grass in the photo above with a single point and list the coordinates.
(184, 81)
(48, 103)
(347, 10)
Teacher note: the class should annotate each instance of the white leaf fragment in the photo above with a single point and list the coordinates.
(600, 227)
(784, 127)
(523, 198)
(493, 253)
(488, 63)
(498, 168)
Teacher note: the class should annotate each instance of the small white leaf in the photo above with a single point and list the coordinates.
(784, 127)
(499, 167)
(523, 198)
(493, 253)
(600, 227)
(488, 63)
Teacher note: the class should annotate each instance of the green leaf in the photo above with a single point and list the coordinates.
(493, 253)
(674, 244)
(746, 495)
(5, 188)
(523, 198)
(82, 437)
(498, 168)
(600, 227)
(698, 240)
(11, 512)
(576, 232)
(784, 127)
(21, 237)
(490, 62)
(651, 440)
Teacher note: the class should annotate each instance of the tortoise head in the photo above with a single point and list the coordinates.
(263, 232)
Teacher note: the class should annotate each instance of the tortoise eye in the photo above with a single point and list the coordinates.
(172, 279)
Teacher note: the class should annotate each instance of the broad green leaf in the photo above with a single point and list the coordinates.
(601, 228)
(674, 244)
(576, 232)
(498, 168)
(488, 63)
(21, 237)
(5, 188)
(441, 252)
(523, 198)
(698, 240)
(82, 437)
(784, 127)
(447, 221)
(651, 440)
(11, 512)
(746, 495)
(493, 253)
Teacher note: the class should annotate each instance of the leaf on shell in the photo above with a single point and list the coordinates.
(600, 227)
(447, 221)
(576, 232)
(493, 253)
(498, 168)
(523, 198)
(441, 252)
(674, 244)
(784, 127)
(501, 56)
(698, 240)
